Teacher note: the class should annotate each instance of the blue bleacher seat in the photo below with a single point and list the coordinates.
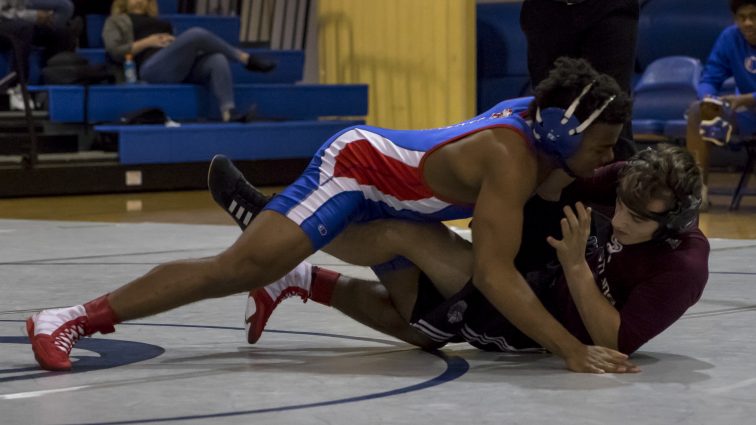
(167, 6)
(295, 102)
(157, 144)
(663, 93)
(289, 70)
(35, 65)
(680, 28)
(186, 102)
(502, 54)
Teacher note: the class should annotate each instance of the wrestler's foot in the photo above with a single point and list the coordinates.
(242, 201)
(54, 332)
(262, 301)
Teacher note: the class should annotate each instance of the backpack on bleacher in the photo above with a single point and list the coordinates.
(70, 68)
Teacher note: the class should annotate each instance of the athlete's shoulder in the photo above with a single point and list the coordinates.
(516, 107)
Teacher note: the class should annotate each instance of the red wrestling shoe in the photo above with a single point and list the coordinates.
(262, 301)
(54, 332)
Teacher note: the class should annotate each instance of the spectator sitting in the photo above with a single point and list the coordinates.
(731, 56)
(53, 13)
(42, 23)
(194, 56)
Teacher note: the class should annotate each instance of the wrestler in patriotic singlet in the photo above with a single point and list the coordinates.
(364, 173)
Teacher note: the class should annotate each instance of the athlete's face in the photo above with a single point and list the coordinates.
(632, 228)
(745, 19)
(596, 148)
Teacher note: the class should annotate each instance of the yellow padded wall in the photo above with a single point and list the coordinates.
(417, 56)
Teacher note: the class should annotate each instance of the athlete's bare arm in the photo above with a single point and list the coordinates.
(498, 171)
(600, 317)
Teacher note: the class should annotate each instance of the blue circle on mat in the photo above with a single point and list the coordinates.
(113, 353)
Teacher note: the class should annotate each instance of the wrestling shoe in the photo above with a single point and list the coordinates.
(242, 201)
(54, 332)
(717, 131)
(714, 128)
(262, 301)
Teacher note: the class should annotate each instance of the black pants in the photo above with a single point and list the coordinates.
(24, 35)
(82, 8)
(603, 32)
(17, 38)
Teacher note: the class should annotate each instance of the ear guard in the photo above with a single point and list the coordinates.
(558, 132)
(682, 218)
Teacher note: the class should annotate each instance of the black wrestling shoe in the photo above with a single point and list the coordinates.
(242, 201)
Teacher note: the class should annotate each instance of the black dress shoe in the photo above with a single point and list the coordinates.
(259, 65)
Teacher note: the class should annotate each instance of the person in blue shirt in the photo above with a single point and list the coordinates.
(711, 120)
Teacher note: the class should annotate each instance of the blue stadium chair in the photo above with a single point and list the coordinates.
(680, 28)
(35, 65)
(502, 54)
(663, 94)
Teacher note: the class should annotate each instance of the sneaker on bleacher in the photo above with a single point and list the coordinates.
(16, 99)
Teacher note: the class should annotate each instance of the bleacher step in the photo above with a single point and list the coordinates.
(289, 69)
(18, 143)
(185, 102)
(157, 144)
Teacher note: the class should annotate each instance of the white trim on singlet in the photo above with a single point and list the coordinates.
(331, 186)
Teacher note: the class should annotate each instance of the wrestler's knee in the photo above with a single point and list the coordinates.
(244, 271)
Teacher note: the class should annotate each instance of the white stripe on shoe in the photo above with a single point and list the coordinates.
(240, 212)
(232, 207)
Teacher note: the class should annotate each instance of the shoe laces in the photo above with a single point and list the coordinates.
(69, 335)
(290, 292)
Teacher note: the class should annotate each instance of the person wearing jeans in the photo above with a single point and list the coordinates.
(53, 13)
(195, 56)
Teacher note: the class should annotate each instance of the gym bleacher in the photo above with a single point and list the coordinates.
(82, 144)
(674, 39)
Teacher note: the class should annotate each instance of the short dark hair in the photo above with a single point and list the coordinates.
(737, 4)
(668, 173)
(564, 84)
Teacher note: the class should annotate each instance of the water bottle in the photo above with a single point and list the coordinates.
(129, 69)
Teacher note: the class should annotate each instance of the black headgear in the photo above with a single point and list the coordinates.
(680, 217)
(676, 220)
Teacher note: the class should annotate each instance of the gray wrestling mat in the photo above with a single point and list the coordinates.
(315, 366)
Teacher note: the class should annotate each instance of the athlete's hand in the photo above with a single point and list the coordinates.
(575, 231)
(597, 359)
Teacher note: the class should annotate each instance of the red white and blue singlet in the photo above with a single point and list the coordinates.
(365, 173)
